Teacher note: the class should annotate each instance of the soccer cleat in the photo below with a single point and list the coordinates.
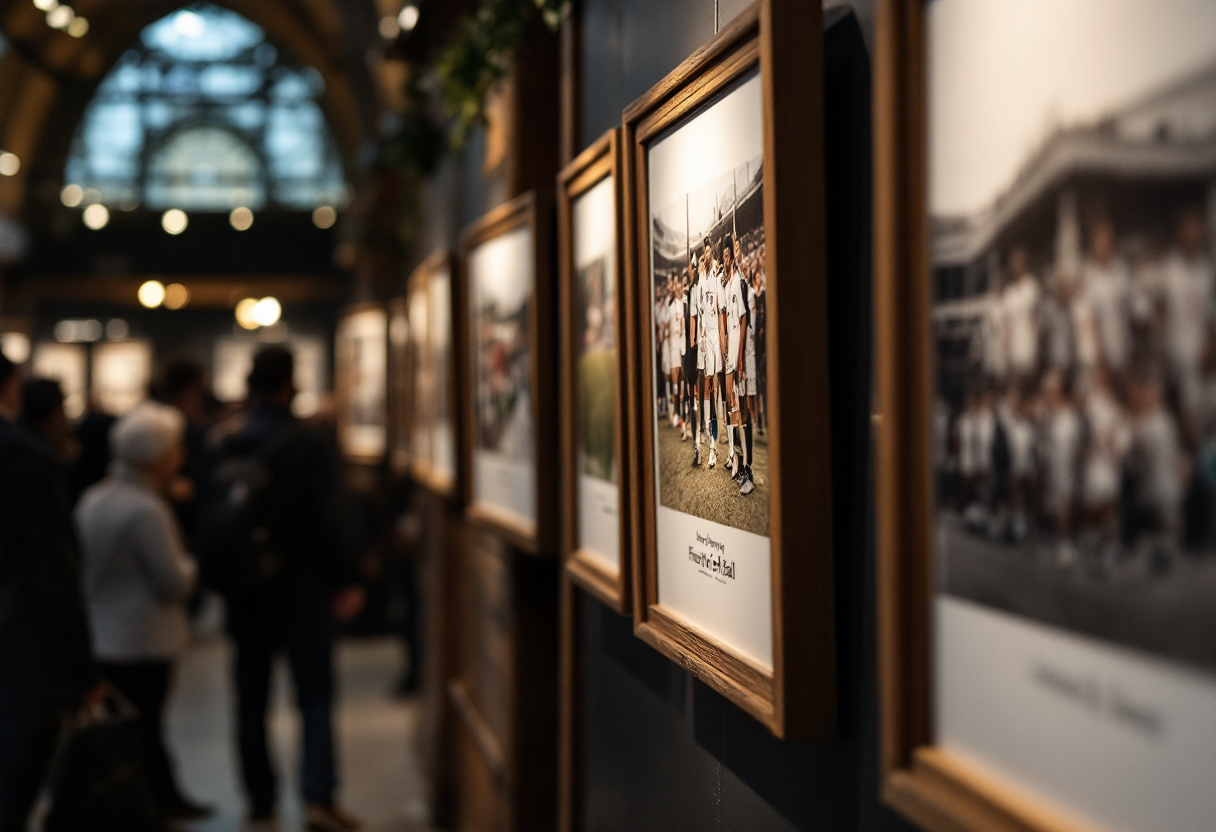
(696, 459)
(713, 457)
(747, 487)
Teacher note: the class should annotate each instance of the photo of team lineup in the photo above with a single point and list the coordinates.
(1074, 419)
(708, 278)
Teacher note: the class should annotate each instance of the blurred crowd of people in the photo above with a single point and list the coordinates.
(109, 529)
(1088, 417)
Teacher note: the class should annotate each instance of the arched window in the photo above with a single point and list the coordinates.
(205, 114)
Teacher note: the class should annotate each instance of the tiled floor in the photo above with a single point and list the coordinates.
(380, 771)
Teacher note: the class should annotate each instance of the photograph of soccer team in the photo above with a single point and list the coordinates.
(709, 351)
(503, 409)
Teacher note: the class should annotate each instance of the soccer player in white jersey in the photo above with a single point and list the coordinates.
(1187, 285)
(697, 336)
(737, 315)
(712, 320)
(750, 379)
(1062, 432)
(675, 344)
(1106, 285)
(1019, 305)
(662, 314)
(1109, 437)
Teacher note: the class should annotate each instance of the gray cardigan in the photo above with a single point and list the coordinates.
(137, 575)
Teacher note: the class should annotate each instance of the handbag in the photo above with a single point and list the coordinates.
(100, 782)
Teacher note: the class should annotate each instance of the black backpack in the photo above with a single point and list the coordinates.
(236, 544)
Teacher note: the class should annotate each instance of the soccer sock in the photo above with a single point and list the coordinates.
(747, 443)
(730, 432)
(696, 424)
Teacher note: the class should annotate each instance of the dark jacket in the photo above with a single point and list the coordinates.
(44, 633)
(312, 522)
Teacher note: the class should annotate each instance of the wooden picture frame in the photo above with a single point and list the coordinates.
(596, 167)
(531, 211)
(434, 283)
(782, 43)
(364, 443)
(400, 400)
(923, 774)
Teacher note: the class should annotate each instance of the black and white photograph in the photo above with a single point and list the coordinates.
(362, 362)
(1075, 408)
(500, 281)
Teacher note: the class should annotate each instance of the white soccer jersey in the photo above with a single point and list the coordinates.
(1109, 439)
(1187, 287)
(675, 317)
(736, 308)
(1019, 302)
(711, 306)
(750, 345)
(1107, 290)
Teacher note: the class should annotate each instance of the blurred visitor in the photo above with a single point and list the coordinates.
(92, 434)
(46, 665)
(287, 566)
(137, 577)
(42, 416)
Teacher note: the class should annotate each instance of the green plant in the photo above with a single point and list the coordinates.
(480, 54)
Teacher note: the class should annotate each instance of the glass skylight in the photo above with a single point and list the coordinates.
(204, 114)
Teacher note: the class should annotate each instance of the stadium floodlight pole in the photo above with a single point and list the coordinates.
(734, 208)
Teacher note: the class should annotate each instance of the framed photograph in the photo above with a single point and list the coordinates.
(594, 495)
(728, 368)
(400, 373)
(1045, 316)
(361, 373)
(121, 371)
(432, 382)
(509, 373)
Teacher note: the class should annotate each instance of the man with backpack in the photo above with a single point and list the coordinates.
(274, 539)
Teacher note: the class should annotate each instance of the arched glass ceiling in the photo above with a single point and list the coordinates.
(205, 114)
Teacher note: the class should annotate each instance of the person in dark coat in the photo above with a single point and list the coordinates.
(296, 612)
(46, 663)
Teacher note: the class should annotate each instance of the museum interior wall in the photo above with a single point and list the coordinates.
(985, 423)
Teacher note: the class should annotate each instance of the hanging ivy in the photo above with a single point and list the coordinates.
(457, 83)
(480, 56)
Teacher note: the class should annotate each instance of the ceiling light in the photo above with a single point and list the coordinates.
(408, 18)
(244, 313)
(60, 17)
(152, 294)
(176, 296)
(15, 346)
(388, 27)
(189, 24)
(174, 221)
(71, 195)
(96, 216)
(241, 218)
(9, 163)
(90, 195)
(79, 27)
(46, 5)
(324, 216)
(266, 312)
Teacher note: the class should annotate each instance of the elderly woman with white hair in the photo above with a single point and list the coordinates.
(138, 577)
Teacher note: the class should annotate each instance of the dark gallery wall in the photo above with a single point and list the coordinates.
(661, 751)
